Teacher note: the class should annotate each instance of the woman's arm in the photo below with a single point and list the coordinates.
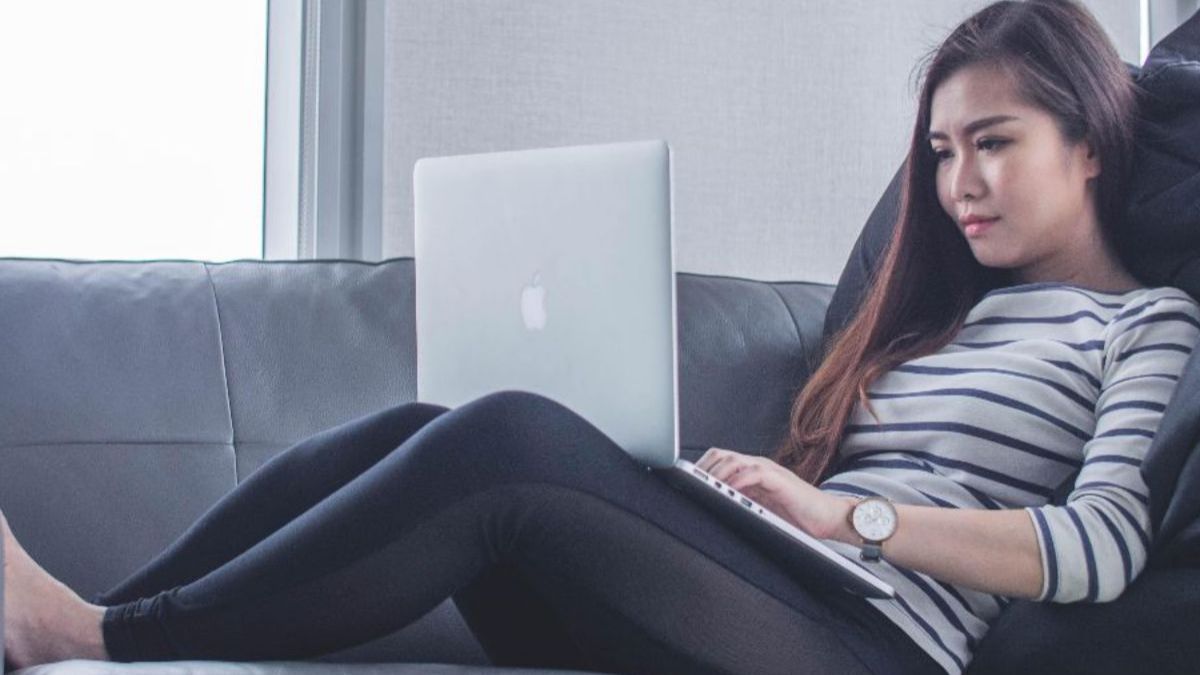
(995, 551)
(1088, 549)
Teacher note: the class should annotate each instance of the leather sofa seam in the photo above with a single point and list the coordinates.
(795, 323)
(224, 373)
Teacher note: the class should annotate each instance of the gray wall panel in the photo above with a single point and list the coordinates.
(1120, 19)
(787, 118)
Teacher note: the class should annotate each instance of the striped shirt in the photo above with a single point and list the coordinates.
(1045, 383)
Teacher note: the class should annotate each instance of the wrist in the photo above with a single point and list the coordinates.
(839, 528)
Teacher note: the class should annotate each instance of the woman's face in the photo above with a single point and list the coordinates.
(1007, 161)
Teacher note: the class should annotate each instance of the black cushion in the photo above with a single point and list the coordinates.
(1150, 628)
(1163, 218)
(868, 248)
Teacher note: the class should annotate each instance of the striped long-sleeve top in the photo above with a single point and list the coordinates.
(1045, 383)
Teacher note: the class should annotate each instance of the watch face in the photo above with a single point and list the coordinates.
(874, 519)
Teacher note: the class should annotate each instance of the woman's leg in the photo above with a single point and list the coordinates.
(647, 601)
(629, 596)
(640, 577)
(281, 489)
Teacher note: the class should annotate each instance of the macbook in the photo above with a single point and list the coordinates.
(552, 271)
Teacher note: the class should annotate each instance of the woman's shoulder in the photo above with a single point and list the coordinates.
(1157, 316)
(1150, 300)
(1076, 313)
(1116, 302)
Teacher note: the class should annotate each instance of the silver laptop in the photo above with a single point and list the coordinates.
(552, 271)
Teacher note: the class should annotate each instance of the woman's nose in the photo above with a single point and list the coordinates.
(965, 181)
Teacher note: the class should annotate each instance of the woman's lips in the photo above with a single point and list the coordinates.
(977, 228)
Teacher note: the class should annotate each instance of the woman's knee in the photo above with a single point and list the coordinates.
(405, 418)
(518, 426)
(523, 415)
(369, 436)
(512, 405)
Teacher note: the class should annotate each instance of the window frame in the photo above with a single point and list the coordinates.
(323, 164)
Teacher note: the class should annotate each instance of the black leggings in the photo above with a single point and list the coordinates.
(557, 547)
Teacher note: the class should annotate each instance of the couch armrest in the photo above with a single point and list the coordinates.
(3, 663)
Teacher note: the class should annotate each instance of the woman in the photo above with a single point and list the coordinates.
(1003, 349)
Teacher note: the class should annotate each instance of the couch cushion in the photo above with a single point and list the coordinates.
(103, 352)
(113, 394)
(742, 356)
(311, 344)
(874, 237)
(1163, 218)
(119, 427)
(91, 513)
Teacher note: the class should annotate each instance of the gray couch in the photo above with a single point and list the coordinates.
(133, 395)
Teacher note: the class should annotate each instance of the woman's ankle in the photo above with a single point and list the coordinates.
(90, 633)
(45, 621)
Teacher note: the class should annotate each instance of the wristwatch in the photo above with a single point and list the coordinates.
(875, 520)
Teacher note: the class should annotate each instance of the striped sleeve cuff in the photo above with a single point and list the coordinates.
(1087, 555)
(1048, 554)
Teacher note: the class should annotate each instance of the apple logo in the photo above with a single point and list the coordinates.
(533, 304)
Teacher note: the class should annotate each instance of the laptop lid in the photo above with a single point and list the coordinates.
(552, 271)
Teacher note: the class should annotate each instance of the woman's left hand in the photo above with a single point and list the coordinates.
(778, 489)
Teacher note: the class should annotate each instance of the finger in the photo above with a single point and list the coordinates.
(745, 475)
(707, 458)
(726, 466)
(718, 462)
(718, 466)
(720, 458)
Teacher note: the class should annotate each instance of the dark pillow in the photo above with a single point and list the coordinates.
(1163, 218)
(868, 248)
(1150, 628)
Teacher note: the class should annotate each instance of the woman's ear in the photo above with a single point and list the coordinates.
(1091, 159)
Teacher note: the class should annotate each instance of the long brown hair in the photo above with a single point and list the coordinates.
(928, 279)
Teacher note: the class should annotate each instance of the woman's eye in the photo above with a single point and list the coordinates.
(941, 155)
(990, 143)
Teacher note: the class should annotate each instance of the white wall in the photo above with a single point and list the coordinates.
(787, 118)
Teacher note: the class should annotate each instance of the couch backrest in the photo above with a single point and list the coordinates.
(135, 394)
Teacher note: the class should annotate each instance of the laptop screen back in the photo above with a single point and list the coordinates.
(552, 271)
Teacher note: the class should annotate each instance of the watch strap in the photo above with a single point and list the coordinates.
(871, 551)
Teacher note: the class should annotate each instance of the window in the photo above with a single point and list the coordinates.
(132, 129)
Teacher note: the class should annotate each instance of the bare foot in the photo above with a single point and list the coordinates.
(44, 621)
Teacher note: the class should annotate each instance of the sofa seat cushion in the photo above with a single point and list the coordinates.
(275, 668)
